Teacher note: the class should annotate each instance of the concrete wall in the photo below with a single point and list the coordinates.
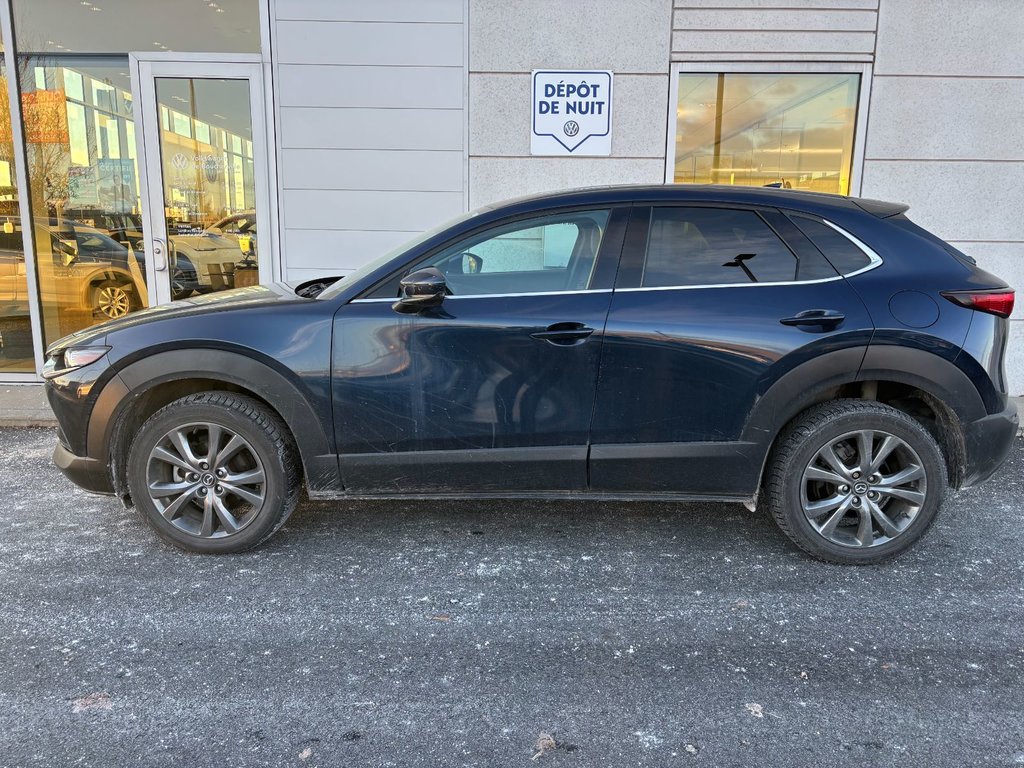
(508, 40)
(371, 100)
(944, 131)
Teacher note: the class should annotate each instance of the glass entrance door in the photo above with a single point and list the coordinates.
(205, 176)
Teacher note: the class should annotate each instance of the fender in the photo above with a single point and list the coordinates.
(801, 387)
(291, 403)
(795, 390)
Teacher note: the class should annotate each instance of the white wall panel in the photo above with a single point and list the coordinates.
(382, 169)
(947, 118)
(729, 41)
(381, 87)
(361, 10)
(775, 4)
(950, 37)
(776, 19)
(524, 35)
(498, 178)
(372, 122)
(368, 210)
(334, 251)
(955, 200)
(367, 128)
(343, 42)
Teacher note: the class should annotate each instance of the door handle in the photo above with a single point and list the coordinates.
(816, 318)
(563, 334)
(159, 255)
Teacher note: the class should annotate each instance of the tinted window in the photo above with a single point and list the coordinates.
(553, 253)
(714, 246)
(845, 256)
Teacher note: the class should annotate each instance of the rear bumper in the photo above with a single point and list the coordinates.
(88, 474)
(988, 442)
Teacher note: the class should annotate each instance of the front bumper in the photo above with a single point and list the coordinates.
(988, 442)
(88, 474)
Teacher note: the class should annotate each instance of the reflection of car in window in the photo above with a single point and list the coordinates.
(80, 267)
(206, 261)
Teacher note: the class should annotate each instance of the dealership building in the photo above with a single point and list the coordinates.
(165, 150)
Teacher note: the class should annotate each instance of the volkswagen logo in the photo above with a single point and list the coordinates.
(179, 161)
(571, 128)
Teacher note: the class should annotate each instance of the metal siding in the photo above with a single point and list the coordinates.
(372, 121)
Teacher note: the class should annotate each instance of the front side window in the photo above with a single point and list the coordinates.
(791, 130)
(544, 255)
(714, 246)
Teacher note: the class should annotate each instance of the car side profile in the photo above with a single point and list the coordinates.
(818, 356)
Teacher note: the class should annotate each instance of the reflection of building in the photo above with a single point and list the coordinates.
(361, 124)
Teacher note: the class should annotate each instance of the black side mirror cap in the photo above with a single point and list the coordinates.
(420, 290)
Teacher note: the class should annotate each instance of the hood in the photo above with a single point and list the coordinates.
(257, 295)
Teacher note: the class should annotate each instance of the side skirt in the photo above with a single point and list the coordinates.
(535, 495)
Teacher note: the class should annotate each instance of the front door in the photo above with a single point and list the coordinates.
(204, 175)
(494, 390)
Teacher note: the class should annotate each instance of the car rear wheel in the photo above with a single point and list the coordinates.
(214, 472)
(855, 481)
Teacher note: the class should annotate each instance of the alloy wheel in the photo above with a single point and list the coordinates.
(863, 489)
(113, 301)
(206, 480)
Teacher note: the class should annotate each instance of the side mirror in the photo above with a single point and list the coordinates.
(423, 289)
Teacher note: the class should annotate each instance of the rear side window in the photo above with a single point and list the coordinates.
(713, 246)
(844, 254)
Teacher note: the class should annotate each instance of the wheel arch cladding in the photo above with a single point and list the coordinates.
(943, 387)
(211, 368)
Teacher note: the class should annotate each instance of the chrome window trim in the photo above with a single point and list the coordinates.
(493, 295)
(874, 260)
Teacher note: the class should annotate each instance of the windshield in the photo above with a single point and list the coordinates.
(375, 264)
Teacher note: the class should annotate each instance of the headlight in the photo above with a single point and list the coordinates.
(71, 358)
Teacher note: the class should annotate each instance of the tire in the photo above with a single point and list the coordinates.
(113, 299)
(907, 488)
(179, 289)
(183, 500)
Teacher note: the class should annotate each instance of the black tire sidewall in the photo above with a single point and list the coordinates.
(882, 419)
(276, 491)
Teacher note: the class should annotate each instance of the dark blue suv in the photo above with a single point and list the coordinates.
(820, 356)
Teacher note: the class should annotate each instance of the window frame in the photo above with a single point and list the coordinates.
(775, 68)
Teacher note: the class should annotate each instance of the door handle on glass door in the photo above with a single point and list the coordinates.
(826, 319)
(159, 255)
(563, 334)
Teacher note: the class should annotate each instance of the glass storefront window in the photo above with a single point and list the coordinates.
(83, 187)
(116, 26)
(788, 130)
(209, 188)
(15, 325)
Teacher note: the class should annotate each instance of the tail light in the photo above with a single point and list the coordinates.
(996, 302)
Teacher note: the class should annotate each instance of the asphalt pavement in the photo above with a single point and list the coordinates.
(502, 634)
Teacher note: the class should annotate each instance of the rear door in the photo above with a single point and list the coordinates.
(711, 306)
(494, 389)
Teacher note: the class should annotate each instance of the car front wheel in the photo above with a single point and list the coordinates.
(855, 481)
(214, 472)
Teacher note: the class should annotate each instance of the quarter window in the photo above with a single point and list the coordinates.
(549, 254)
(714, 246)
(844, 254)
